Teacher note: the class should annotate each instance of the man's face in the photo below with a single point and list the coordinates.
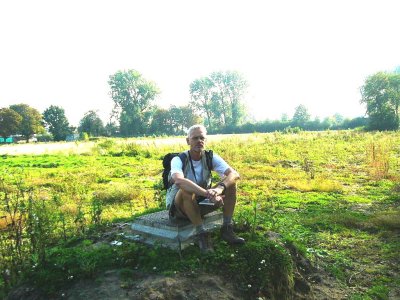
(197, 140)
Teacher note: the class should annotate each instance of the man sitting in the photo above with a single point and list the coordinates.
(192, 184)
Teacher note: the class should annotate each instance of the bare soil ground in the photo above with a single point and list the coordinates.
(110, 285)
(309, 283)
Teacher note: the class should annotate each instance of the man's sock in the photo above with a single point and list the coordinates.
(227, 220)
(200, 228)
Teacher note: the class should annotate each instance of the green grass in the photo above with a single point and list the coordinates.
(335, 195)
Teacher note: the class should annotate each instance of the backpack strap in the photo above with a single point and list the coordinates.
(209, 157)
(183, 157)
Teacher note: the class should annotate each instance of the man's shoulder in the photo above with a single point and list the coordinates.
(219, 162)
(183, 155)
(216, 156)
(178, 158)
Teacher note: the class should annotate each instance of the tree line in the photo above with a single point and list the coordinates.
(217, 100)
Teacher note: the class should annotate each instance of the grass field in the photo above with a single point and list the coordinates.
(334, 195)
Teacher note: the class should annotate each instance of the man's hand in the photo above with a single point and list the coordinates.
(219, 200)
(215, 195)
(215, 191)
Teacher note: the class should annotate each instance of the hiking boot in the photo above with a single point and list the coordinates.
(229, 236)
(205, 243)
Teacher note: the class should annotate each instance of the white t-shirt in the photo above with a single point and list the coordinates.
(219, 166)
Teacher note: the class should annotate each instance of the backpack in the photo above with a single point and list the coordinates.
(167, 164)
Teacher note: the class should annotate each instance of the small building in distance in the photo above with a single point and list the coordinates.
(72, 137)
(8, 140)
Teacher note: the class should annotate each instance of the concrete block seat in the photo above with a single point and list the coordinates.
(156, 228)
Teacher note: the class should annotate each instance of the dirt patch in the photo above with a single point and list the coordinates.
(309, 281)
(152, 287)
(129, 283)
(111, 285)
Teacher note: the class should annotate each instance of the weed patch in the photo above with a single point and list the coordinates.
(116, 193)
(388, 220)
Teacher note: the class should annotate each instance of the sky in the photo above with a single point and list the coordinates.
(316, 53)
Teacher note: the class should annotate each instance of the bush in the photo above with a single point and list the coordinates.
(84, 136)
(390, 220)
(46, 137)
(116, 193)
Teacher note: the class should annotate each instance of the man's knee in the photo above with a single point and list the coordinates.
(182, 196)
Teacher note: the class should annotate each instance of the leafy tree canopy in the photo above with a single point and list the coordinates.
(31, 120)
(10, 122)
(229, 89)
(91, 124)
(381, 94)
(201, 98)
(57, 122)
(173, 121)
(218, 97)
(111, 129)
(133, 96)
(301, 115)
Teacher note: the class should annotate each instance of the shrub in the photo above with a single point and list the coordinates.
(389, 220)
(46, 137)
(378, 160)
(116, 193)
(84, 136)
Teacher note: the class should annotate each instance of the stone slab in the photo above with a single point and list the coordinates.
(156, 228)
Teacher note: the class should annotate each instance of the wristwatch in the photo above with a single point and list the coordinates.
(223, 185)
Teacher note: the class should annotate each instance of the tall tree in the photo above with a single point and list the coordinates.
(338, 119)
(173, 121)
(301, 116)
(219, 98)
(91, 124)
(31, 120)
(201, 98)
(57, 122)
(10, 122)
(284, 117)
(182, 118)
(381, 94)
(161, 122)
(111, 129)
(133, 96)
(228, 90)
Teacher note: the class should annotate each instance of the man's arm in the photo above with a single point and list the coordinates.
(231, 176)
(182, 182)
(188, 185)
(213, 194)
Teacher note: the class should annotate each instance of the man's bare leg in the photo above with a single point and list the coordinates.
(229, 201)
(187, 203)
(227, 233)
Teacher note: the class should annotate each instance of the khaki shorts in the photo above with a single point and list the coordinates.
(175, 213)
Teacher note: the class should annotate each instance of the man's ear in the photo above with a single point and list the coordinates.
(187, 141)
